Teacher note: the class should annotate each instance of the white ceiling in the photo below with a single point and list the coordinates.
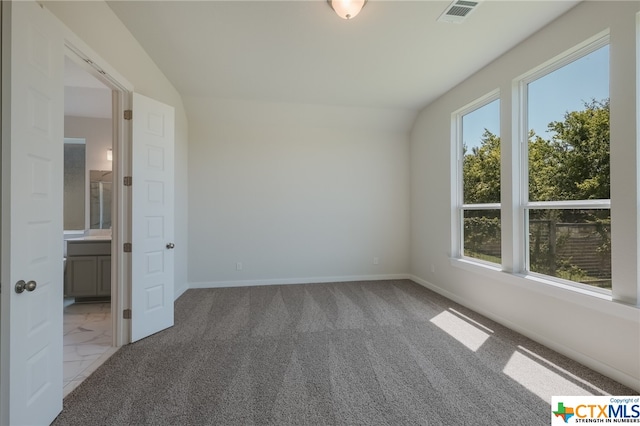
(392, 55)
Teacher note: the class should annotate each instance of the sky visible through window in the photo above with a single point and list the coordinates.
(474, 124)
(550, 97)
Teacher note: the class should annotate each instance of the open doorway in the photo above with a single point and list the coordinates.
(88, 336)
(31, 343)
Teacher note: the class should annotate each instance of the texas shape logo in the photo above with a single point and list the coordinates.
(564, 412)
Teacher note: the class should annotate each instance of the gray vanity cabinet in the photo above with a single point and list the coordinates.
(88, 270)
(104, 275)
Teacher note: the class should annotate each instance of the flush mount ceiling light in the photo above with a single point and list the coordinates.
(347, 9)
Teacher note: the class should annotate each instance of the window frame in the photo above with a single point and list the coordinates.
(514, 204)
(457, 196)
(521, 170)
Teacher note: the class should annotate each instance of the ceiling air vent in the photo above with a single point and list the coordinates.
(458, 11)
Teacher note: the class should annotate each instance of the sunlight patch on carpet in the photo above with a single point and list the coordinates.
(466, 333)
(542, 378)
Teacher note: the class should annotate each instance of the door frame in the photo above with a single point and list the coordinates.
(121, 91)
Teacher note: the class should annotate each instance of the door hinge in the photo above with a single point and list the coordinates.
(128, 114)
(126, 314)
(127, 247)
(128, 181)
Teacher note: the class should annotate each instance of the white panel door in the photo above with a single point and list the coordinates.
(32, 167)
(152, 217)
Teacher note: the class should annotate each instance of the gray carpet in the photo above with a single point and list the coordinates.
(361, 353)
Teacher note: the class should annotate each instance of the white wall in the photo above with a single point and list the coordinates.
(297, 193)
(99, 27)
(604, 335)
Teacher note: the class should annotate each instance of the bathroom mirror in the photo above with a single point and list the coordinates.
(100, 184)
(74, 183)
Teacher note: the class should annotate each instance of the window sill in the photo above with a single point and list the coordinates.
(590, 299)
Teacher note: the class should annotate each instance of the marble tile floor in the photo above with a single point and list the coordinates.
(87, 341)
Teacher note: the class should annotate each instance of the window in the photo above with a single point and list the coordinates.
(566, 206)
(478, 195)
(558, 206)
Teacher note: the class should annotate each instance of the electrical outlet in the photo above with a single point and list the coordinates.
(376, 261)
(239, 266)
(433, 269)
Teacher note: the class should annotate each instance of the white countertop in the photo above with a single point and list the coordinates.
(92, 238)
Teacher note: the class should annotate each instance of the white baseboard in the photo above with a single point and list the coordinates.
(288, 281)
(583, 359)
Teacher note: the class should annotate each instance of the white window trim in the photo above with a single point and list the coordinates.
(541, 284)
(521, 170)
(569, 205)
(521, 127)
(515, 270)
(588, 46)
(457, 203)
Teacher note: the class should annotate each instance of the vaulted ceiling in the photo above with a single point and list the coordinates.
(394, 54)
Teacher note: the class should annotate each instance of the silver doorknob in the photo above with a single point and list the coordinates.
(170, 245)
(20, 286)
